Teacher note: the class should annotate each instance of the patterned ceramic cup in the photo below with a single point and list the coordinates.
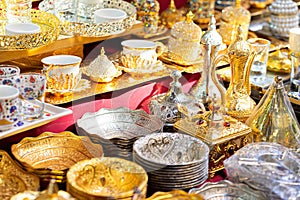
(32, 92)
(9, 107)
(8, 74)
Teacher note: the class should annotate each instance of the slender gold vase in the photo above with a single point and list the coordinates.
(274, 120)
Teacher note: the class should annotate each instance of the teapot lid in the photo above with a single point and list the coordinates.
(211, 36)
(240, 46)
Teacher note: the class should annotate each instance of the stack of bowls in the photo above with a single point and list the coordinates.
(106, 178)
(50, 155)
(117, 129)
(174, 161)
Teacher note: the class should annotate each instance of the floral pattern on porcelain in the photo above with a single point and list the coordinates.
(8, 74)
(33, 86)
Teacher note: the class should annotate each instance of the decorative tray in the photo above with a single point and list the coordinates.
(82, 24)
(51, 113)
(49, 25)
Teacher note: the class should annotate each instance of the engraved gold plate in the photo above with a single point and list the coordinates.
(13, 179)
(106, 177)
(232, 138)
(50, 154)
(49, 25)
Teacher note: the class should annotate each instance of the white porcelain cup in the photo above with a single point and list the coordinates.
(138, 52)
(62, 72)
(9, 107)
(108, 15)
(21, 28)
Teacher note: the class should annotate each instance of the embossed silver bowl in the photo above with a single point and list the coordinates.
(267, 167)
(226, 190)
(117, 129)
(172, 160)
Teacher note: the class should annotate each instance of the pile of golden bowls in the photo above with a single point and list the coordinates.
(50, 155)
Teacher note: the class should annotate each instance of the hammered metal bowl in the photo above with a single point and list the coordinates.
(50, 155)
(174, 161)
(107, 178)
(226, 190)
(117, 129)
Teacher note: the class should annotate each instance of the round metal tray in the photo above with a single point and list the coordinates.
(75, 21)
(49, 25)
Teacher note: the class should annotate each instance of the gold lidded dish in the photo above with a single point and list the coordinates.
(50, 155)
(101, 69)
(49, 32)
(13, 178)
(106, 177)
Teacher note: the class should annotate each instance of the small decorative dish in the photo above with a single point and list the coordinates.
(49, 32)
(107, 178)
(54, 153)
(172, 58)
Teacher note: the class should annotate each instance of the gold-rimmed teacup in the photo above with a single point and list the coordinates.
(62, 72)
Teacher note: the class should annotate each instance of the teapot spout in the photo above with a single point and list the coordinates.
(247, 71)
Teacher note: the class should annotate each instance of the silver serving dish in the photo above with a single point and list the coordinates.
(267, 167)
(171, 149)
(117, 129)
(78, 19)
(226, 190)
(172, 160)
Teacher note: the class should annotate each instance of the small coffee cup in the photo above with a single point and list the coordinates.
(8, 74)
(9, 107)
(294, 39)
(62, 72)
(108, 15)
(22, 28)
(137, 52)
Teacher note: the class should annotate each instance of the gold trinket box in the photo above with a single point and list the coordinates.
(50, 155)
(233, 136)
(13, 179)
(106, 178)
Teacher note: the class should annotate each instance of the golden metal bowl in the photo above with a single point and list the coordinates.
(13, 179)
(54, 151)
(49, 25)
(106, 177)
(175, 195)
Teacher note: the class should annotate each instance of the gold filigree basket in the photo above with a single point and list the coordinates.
(49, 25)
(50, 155)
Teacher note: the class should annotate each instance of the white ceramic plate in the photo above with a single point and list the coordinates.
(51, 113)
